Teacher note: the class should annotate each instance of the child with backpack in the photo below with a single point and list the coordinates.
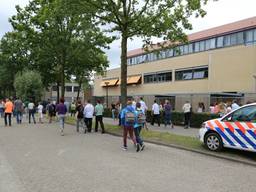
(140, 120)
(127, 122)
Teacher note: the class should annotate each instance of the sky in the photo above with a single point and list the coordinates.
(218, 13)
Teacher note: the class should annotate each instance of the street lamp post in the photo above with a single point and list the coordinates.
(107, 83)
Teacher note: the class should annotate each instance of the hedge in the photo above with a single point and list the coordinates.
(177, 117)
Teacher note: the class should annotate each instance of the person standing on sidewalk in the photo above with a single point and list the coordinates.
(155, 113)
(167, 114)
(40, 112)
(8, 112)
(99, 117)
(88, 115)
(140, 119)
(1, 108)
(80, 116)
(18, 108)
(127, 123)
(187, 114)
(31, 112)
(144, 108)
(61, 110)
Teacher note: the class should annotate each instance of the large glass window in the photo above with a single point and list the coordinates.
(185, 49)
(189, 74)
(220, 41)
(254, 34)
(190, 48)
(240, 38)
(249, 36)
(158, 77)
(68, 88)
(76, 88)
(196, 46)
(202, 45)
(227, 40)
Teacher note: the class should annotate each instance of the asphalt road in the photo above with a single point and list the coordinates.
(35, 158)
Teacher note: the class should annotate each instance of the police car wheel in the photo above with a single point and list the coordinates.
(213, 142)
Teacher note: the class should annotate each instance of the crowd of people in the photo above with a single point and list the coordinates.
(132, 117)
(157, 110)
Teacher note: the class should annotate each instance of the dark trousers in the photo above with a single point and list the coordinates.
(88, 123)
(9, 118)
(125, 134)
(156, 118)
(187, 119)
(31, 113)
(18, 117)
(99, 119)
(137, 135)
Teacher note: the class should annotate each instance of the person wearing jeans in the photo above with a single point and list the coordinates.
(139, 123)
(61, 110)
(88, 115)
(156, 113)
(31, 112)
(128, 127)
(187, 114)
(99, 117)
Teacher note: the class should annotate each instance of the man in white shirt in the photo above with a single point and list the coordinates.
(31, 112)
(88, 115)
(156, 113)
(187, 114)
(143, 105)
(234, 105)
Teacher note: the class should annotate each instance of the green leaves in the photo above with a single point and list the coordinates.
(28, 85)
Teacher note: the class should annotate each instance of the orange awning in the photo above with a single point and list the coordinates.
(132, 80)
(109, 82)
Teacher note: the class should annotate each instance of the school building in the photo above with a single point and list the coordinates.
(217, 64)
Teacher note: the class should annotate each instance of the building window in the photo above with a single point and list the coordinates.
(202, 45)
(189, 74)
(196, 46)
(220, 41)
(240, 38)
(227, 40)
(76, 88)
(249, 36)
(68, 88)
(190, 48)
(54, 88)
(244, 37)
(158, 77)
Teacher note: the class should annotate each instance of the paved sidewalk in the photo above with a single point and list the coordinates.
(178, 130)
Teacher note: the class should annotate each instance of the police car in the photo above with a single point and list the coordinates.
(236, 129)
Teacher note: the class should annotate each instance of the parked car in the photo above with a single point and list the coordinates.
(236, 129)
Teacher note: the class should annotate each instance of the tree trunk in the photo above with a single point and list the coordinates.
(124, 69)
(62, 81)
(58, 92)
(78, 92)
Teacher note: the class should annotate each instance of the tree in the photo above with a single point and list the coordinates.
(52, 28)
(13, 59)
(144, 18)
(28, 85)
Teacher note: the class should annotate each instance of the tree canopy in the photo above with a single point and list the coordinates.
(165, 19)
(59, 41)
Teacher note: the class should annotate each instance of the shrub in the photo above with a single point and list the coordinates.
(177, 117)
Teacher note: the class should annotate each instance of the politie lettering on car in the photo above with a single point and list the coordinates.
(236, 129)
